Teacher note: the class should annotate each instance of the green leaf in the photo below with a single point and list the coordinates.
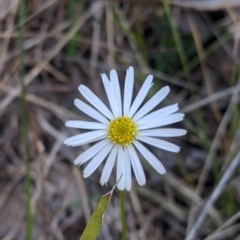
(95, 223)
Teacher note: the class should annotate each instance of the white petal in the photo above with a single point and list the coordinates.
(85, 125)
(90, 111)
(128, 175)
(128, 90)
(160, 144)
(163, 112)
(91, 152)
(107, 170)
(141, 95)
(84, 138)
(97, 160)
(117, 91)
(152, 102)
(120, 168)
(110, 94)
(156, 164)
(137, 166)
(95, 101)
(165, 132)
(173, 118)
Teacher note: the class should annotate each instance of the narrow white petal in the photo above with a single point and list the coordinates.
(120, 168)
(163, 112)
(156, 164)
(108, 167)
(91, 152)
(85, 125)
(128, 90)
(84, 138)
(128, 174)
(95, 101)
(165, 132)
(97, 139)
(137, 166)
(141, 95)
(152, 102)
(111, 95)
(90, 111)
(173, 118)
(97, 160)
(159, 143)
(117, 91)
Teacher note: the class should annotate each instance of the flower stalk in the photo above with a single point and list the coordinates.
(123, 215)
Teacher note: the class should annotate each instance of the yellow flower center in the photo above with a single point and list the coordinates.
(122, 131)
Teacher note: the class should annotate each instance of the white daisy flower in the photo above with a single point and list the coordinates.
(121, 130)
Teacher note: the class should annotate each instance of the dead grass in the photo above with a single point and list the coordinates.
(68, 43)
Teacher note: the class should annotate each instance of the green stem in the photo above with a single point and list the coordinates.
(177, 39)
(123, 216)
(24, 125)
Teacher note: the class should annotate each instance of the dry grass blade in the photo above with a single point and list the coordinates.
(216, 142)
(173, 80)
(7, 7)
(110, 35)
(59, 111)
(10, 26)
(207, 100)
(126, 25)
(44, 7)
(58, 75)
(38, 68)
(175, 209)
(225, 225)
(218, 137)
(83, 192)
(210, 5)
(96, 36)
(205, 70)
(226, 233)
(217, 191)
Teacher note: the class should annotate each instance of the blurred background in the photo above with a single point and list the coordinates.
(49, 47)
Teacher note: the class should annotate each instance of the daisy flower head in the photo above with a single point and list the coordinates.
(122, 129)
